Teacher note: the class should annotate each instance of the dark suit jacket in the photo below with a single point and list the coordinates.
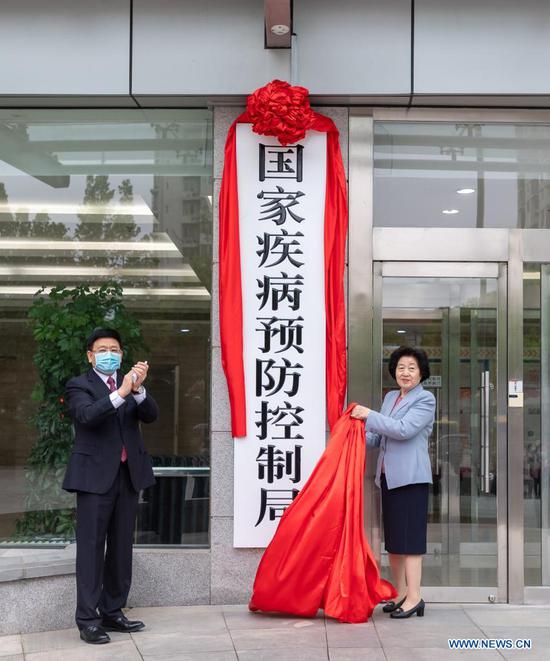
(100, 431)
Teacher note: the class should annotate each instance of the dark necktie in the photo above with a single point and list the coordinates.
(112, 387)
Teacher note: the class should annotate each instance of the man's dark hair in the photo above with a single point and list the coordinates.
(99, 333)
(418, 354)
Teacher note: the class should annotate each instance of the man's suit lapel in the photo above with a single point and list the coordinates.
(97, 384)
(101, 388)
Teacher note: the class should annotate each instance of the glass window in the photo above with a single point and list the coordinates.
(443, 174)
(94, 197)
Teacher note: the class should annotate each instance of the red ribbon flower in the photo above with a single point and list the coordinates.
(281, 110)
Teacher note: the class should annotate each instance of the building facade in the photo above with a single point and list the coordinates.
(113, 117)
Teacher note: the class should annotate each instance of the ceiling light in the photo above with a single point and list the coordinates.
(200, 293)
(450, 212)
(69, 162)
(280, 30)
(130, 209)
(184, 330)
(466, 191)
(183, 274)
(85, 246)
(401, 331)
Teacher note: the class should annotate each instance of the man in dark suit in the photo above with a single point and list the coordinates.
(107, 468)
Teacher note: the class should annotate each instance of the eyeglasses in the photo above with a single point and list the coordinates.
(106, 350)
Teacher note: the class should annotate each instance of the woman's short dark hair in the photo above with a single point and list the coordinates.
(418, 354)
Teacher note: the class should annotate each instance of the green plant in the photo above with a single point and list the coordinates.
(62, 320)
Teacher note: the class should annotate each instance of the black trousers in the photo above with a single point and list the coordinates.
(104, 536)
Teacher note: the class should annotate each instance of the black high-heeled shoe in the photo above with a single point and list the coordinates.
(392, 606)
(400, 614)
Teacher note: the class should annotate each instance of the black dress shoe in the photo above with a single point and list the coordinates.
(400, 614)
(94, 635)
(392, 606)
(122, 624)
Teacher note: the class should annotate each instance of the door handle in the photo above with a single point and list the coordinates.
(485, 429)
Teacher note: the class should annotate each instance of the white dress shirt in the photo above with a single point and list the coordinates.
(116, 399)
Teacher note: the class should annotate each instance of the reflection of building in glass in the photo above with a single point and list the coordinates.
(185, 202)
(533, 183)
(533, 202)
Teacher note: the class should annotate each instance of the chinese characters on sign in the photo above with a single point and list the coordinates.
(281, 207)
(274, 464)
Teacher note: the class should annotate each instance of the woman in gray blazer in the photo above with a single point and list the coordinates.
(403, 472)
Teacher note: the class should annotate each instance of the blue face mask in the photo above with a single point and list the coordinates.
(107, 362)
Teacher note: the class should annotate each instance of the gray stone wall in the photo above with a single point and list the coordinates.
(46, 598)
(38, 604)
(232, 570)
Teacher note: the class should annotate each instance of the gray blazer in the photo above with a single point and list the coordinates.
(402, 435)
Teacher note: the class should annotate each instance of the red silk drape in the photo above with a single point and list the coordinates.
(231, 305)
(319, 556)
(230, 290)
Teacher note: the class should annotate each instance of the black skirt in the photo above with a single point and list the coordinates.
(405, 515)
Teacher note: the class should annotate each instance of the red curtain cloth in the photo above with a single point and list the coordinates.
(231, 306)
(319, 556)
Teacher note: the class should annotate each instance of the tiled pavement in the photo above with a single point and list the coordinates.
(230, 633)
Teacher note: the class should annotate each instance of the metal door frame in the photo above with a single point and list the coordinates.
(481, 594)
(439, 247)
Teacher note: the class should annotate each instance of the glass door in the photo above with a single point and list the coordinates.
(456, 314)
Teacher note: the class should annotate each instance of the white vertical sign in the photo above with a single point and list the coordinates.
(281, 217)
